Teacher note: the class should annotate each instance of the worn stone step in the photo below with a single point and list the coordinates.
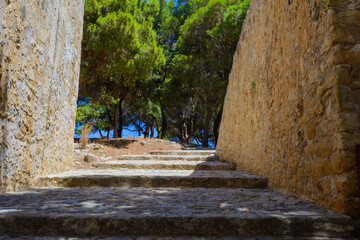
(159, 164)
(194, 152)
(161, 212)
(168, 158)
(196, 147)
(154, 178)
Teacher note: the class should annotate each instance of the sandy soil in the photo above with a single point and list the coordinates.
(108, 150)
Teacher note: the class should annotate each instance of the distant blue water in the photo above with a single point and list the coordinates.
(128, 132)
(131, 132)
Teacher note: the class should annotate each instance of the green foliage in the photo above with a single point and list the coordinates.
(159, 64)
(95, 114)
(121, 43)
(120, 49)
(205, 54)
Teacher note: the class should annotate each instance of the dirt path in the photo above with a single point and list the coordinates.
(110, 149)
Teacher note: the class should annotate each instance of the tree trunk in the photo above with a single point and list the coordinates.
(206, 128)
(185, 132)
(116, 121)
(101, 133)
(191, 134)
(217, 124)
(121, 119)
(146, 133)
(151, 131)
(163, 122)
(108, 114)
(138, 128)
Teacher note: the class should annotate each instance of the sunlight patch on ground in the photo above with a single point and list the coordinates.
(243, 210)
(91, 204)
(11, 210)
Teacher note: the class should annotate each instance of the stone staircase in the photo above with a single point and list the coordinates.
(167, 195)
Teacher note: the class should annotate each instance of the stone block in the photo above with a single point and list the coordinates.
(89, 158)
(312, 130)
(311, 95)
(40, 63)
(340, 56)
(347, 186)
(347, 17)
(342, 162)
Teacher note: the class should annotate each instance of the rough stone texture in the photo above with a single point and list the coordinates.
(154, 178)
(157, 164)
(169, 157)
(292, 111)
(90, 158)
(193, 153)
(85, 212)
(40, 58)
(181, 212)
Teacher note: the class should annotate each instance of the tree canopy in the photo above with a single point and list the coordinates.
(159, 65)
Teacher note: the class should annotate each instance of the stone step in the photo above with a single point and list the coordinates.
(169, 158)
(153, 178)
(195, 152)
(158, 164)
(162, 212)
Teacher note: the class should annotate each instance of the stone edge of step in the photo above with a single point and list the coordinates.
(169, 157)
(205, 226)
(164, 162)
(183, 153)
(184, 165)
(253, 182)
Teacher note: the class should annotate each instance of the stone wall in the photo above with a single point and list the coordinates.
(40, 43)
(292, 111)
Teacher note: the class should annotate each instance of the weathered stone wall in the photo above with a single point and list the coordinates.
(40, 57)
(292, 111)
